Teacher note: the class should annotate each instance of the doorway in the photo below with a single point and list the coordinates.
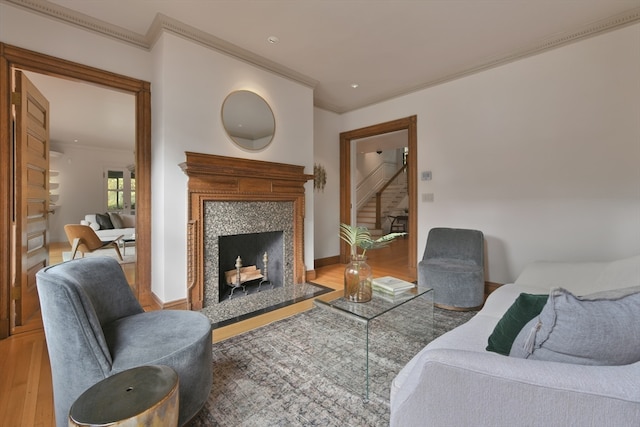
(347, 139)
(11, 58)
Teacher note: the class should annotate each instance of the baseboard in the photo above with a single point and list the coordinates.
(323, 262)
(180, 304)
(310, 275)
(490, 287)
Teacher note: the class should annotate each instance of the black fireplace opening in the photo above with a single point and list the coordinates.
(241, 259)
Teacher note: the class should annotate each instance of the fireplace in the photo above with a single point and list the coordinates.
(246, 229)
(243, 208)
(251, 263)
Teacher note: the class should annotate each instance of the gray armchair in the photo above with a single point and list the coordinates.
(95, 328)
(453, 265)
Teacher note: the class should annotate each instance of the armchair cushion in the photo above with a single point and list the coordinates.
(601, 329)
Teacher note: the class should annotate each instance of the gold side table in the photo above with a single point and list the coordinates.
(142, 396)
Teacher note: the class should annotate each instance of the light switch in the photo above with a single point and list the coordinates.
(427, 197)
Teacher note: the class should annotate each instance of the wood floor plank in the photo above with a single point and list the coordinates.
(18, 377)
(44, 414)
(33, 383)
(6, 369)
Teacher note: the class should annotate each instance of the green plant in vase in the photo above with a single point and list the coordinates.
(358, 275)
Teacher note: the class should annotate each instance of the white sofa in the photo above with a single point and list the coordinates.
(454, 381)
(128, 228)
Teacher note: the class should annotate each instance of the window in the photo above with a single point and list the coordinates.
(121, 190)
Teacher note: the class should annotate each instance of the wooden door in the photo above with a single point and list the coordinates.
(31, 197)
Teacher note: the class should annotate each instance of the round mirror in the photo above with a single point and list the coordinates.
(248, 120)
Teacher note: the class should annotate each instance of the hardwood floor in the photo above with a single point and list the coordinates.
(26, 395)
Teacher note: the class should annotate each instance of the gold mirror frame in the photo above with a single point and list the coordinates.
(248, 120)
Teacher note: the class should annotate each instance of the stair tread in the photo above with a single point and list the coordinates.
(390, 198)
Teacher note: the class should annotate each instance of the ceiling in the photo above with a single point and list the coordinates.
(387, 47)
(87, 115)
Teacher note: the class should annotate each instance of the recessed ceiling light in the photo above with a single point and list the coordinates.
(273, 39)
(354, 85)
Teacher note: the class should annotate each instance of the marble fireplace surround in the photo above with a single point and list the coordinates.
(273, 186)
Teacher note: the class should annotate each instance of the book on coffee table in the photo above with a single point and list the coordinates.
(391, 285)
(394, 298)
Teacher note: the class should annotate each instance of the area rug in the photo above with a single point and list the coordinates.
(128, 257)
(306, 370)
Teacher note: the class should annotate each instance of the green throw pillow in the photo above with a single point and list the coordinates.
(525, 308)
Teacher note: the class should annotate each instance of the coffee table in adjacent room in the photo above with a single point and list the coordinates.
(384, 321)
(127, 241)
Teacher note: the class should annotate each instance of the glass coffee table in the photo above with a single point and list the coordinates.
(361, 335)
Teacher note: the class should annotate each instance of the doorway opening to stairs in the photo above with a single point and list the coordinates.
(382, 198)
(404, 130)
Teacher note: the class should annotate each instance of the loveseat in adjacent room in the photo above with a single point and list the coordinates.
(111, 225)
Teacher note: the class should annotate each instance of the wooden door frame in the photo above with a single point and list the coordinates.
(410, 124)
(15, 57)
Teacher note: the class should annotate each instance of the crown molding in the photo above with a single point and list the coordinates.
(81, 20)
(163, 23)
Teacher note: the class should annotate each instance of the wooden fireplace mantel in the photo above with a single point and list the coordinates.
(219, 178)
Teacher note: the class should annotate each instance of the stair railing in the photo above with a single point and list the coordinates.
(379, 196)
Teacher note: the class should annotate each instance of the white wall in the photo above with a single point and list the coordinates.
(191, 86)
(542, 155)
(326, 152)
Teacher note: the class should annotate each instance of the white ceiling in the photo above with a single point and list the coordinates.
(87, 115)
(387, 47)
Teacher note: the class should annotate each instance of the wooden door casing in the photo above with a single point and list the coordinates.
(410, 124)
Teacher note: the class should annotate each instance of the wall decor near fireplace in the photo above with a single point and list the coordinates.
(248, 120)
(243, 208)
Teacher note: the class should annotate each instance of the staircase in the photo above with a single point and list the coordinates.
(390, 199)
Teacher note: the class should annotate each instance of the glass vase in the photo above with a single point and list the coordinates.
(357, 280)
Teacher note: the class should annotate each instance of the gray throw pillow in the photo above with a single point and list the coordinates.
(598, 329)
(116, 220)
(104, 221)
